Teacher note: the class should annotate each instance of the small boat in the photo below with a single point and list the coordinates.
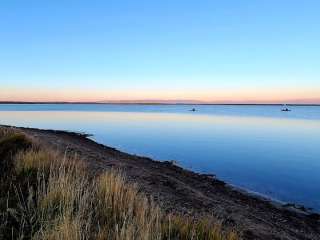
(193, 110)
(285, 109)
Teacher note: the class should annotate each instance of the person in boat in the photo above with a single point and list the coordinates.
(285, 110)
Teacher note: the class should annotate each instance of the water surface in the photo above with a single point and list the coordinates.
(258, 148)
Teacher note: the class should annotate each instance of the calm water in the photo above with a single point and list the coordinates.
(258, 148)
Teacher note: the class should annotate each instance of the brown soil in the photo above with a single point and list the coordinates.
(186, 192)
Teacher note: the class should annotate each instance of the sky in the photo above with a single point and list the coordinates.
(254, 51)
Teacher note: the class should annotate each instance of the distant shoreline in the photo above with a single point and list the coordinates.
(155, 103)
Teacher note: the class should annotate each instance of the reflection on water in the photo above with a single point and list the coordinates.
(259, 148)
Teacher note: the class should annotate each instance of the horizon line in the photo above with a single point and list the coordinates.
(159, 103)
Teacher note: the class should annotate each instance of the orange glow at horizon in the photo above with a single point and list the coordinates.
(279, 95)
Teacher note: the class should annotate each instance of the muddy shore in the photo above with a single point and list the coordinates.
(183, 191)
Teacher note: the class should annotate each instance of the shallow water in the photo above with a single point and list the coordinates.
(258, 148)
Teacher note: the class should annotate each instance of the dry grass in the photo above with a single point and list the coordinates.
(34, 159)
(125, 213)
(7, 131)
(62, 202)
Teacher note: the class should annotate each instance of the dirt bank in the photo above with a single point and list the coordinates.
(187, 192)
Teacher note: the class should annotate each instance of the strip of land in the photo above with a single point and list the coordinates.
(185, 192)
(158, 102)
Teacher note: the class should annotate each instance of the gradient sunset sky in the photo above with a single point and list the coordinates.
(232, 51)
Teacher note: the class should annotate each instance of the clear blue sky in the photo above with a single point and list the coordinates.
(204, 50)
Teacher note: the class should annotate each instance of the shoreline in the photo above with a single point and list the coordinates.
(263, 197)
(251, 193)
(188, 192)
(292, 206)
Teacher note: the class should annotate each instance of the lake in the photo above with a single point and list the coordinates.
(259, 148)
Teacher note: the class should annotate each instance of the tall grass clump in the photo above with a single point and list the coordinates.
(53, 197)
(64, 203)
(125, 213)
